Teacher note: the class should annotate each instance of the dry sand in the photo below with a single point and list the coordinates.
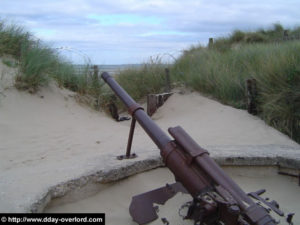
(48, 138)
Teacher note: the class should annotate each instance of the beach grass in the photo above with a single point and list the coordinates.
(272, 57)
(12, 38)
(223, 75)
(38, 63)
(149, 78)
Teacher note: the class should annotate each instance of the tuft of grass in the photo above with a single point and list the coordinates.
(37, 64)
(275, 34)
(149, 79)
(222, 74)
(9, 63)
(12, 38)
(221, 71)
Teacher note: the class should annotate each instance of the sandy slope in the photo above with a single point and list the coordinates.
(48, 137)
(51, 126)
(212, 123)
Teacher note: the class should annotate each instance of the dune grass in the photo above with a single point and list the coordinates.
(12, 37)
(275, 34)
(221, 69)
(276, 67)
(138, 82)
(147, 80)
(38, 63)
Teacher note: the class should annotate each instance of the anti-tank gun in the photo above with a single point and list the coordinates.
(217, 199)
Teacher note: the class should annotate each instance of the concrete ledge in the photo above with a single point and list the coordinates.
(95, 178)
(107, 169)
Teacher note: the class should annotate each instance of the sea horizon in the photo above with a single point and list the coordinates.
(111, 68)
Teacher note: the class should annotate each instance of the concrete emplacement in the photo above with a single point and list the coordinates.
(113, 196)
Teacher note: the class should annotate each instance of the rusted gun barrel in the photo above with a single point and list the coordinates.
(216, 196)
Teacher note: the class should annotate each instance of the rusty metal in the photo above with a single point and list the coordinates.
(133, 108)
(272, 205)
(141, 207)
(129, 143)
(113, 111)
(198, 173)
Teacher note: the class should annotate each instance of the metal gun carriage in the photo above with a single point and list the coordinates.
(217, 199)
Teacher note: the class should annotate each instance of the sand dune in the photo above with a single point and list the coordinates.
(48, 138)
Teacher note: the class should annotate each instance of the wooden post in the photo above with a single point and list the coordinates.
(168, 82)
(285, 35)
(210, 42)
(154, 101)
(151, 104)
(96, 72)
(251, 93)
(113, 111)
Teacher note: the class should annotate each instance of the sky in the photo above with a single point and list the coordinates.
(134, 31)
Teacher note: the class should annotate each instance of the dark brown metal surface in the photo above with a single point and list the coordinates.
(128, 155)
(142, 209)
(133, 108)
(130, 137)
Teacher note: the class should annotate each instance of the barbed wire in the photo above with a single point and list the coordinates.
(86, 58)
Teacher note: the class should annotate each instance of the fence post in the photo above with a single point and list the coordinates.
(251, 93)
(168, 82)
(210, 42)
(95, 73)
(151, 104)
(285, 35)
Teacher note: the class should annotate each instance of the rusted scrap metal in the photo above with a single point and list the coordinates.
(217, 199)
(129, 143)
(141, 208)
(113, 109)
(154, 101)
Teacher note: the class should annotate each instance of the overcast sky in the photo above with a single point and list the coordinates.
(130, 31)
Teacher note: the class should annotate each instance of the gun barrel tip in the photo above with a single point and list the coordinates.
(105, 75)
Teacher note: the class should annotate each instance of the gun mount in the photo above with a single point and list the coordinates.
(217, 199)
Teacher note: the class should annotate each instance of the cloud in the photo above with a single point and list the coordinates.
(129, 31)
(124, 19)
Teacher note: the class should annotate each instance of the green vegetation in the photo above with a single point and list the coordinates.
(276, 67)
(221, 70)
(151, 81)
(9, 63)
(37, 62)
(148, 79)
(12, 38)
(238, 37)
